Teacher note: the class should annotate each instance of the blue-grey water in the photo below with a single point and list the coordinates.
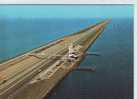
(113, 78)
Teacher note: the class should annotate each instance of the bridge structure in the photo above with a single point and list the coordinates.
(34, 74)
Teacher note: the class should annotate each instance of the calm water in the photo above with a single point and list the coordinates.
(113, 78)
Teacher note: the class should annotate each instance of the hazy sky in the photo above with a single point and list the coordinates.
(66, 11)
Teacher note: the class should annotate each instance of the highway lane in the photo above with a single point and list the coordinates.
(26, 67)
(46, 79)
(22, 68)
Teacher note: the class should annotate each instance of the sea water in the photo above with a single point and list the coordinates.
(113, 78)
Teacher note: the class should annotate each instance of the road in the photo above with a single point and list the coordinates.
(34, 74)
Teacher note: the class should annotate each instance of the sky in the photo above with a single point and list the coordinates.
(66, 11)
